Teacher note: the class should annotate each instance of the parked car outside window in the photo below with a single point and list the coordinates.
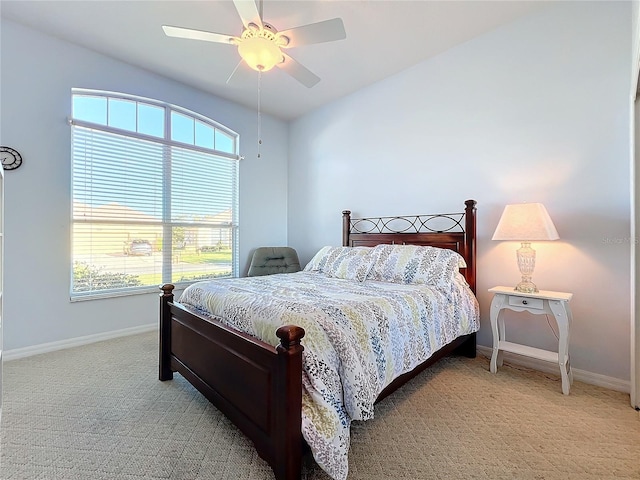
(138, 247)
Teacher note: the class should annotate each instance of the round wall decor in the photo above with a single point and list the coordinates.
(11, 159)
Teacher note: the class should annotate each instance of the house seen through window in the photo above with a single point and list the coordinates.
(155, 195)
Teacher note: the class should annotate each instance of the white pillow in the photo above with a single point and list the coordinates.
(349, 263)
(415, 264)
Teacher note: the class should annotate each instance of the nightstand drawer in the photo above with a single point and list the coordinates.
(536, 303)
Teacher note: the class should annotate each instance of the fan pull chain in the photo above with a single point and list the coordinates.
(259, 114)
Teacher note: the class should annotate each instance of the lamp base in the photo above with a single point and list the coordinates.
(526, 286)
(526, 263)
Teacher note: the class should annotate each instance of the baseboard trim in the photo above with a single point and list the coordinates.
(591, 378)
(17, 353)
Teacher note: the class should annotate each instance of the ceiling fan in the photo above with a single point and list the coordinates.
(262, 47)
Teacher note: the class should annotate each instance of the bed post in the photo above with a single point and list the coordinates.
(346, 227)
(165, 332)
(470, 242)
(288, 416)
(469, 347)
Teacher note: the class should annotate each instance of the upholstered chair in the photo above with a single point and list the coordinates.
(270, 260)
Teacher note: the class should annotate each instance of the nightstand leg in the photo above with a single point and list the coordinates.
(496, 341)
(502, 335)
(496, 355)
(562, 316)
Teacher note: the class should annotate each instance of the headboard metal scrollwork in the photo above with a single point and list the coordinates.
(455, 231)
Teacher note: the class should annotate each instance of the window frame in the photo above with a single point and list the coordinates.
(166, 222)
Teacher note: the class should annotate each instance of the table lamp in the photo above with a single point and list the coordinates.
(525, 222)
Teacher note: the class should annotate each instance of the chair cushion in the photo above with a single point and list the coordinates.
(269, 260)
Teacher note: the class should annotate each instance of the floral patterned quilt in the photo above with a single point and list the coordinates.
(359, 337)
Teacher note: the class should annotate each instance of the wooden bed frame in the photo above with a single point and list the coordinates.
(258, 386)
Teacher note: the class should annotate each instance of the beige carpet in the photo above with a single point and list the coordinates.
(99, 412)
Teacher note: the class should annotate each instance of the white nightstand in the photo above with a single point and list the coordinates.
(555, 304)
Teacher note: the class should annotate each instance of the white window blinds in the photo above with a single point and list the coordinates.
(148, 209)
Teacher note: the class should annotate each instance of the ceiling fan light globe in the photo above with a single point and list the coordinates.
(259, 53)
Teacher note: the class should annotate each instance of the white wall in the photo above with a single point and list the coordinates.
(38, 72)
(535, 111)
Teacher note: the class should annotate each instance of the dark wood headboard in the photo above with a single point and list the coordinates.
(455, 231)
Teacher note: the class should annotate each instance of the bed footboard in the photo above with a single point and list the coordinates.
(258, 387)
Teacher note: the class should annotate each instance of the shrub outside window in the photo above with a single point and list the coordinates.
(155, 195)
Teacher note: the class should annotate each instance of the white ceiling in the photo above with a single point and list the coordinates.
(383, 38)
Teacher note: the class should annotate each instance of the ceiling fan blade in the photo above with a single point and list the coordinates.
(326, 31)
(298, 71)
(248, 11)
(192, 34)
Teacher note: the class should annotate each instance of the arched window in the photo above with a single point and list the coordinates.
(155, 195)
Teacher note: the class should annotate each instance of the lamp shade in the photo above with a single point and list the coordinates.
(525, 222)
